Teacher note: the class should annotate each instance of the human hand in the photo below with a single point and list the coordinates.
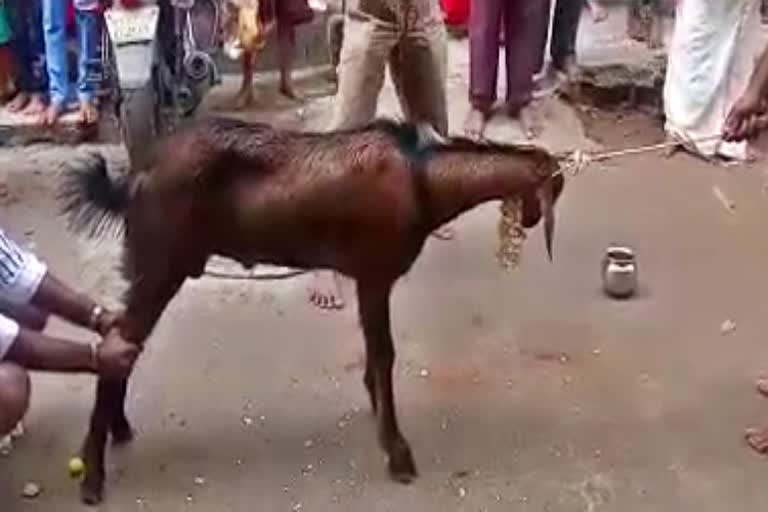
(107, 321)
(746, 118)
(115, 356)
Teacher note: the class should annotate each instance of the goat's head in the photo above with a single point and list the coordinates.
(540, 201)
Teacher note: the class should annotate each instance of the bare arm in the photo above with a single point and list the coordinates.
(55, 297)
(35, 351)
(25, 280)
(758, 84)
(114, 357)
(748, 115)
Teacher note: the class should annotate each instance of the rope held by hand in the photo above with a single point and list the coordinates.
(576, 161)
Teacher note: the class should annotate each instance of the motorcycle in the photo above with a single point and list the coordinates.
(159, 60)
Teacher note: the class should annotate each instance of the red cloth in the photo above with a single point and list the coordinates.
(456, 11)
(70, 13)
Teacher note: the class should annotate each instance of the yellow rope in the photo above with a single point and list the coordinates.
(576, 161)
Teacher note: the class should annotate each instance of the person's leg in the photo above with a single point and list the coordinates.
(335, 35)
(286, 37)
(20, 49)
(364, 52)
(597, 10)
(39, 83)
(537, 15)
(565, 27)
(656, 22)
(25, 18)
(757, 438)
(526, 24)
(55, 37)
(7, 88)
(244, 96)
(365, 48)
(559, 45)
(636, 26)
(418, 69)
(88, 33)
(484, 22)
(14, 396)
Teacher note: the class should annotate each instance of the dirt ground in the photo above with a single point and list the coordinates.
(523, 391)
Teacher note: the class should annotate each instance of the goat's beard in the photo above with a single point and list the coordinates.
(511, 233)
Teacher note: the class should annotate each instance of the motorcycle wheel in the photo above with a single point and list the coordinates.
(138, 115)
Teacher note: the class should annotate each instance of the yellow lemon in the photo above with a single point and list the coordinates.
(76, 467)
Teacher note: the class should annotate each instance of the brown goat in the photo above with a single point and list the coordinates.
(360, 202)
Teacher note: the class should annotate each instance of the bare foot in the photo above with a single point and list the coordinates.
(757, 439)
(547, 84)
(762, 386)
(636, 29)
(35, 107)
(570, 68)
(656, 39)
(287, 90)
(51, 115)
(598, 12)
(244, 99)
(18, 102)
(325, 292)
(332, 75)
(88, 114)
(474, 125)
(530, 124)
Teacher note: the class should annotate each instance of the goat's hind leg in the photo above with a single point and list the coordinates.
(380, 354)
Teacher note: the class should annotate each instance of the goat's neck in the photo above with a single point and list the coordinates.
(459, 181)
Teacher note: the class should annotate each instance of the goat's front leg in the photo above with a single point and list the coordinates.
(104, 411)
(147, 301)
(120, 427)
(380, 352)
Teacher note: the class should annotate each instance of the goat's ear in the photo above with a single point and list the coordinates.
(547, 208)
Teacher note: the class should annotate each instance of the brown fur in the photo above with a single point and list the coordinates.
(360, 202)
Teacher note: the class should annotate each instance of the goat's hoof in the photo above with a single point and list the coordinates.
(402, 469)
(122, 433)
(92, 491)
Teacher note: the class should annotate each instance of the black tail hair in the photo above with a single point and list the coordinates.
(92, 201)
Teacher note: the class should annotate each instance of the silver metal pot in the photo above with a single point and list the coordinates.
(619, 271)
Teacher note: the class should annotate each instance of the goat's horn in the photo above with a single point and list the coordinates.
(547, 207)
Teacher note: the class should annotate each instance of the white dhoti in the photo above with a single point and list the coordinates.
(711, 59)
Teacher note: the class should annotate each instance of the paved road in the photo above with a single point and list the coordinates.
(528, 391)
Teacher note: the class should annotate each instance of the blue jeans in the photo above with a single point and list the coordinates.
(27, 46)
(88, 37)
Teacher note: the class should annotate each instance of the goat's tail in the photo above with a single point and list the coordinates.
(93, 201)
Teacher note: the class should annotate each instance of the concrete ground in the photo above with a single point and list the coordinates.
(522, 391)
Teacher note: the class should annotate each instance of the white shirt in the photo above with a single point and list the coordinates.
(20, 275)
